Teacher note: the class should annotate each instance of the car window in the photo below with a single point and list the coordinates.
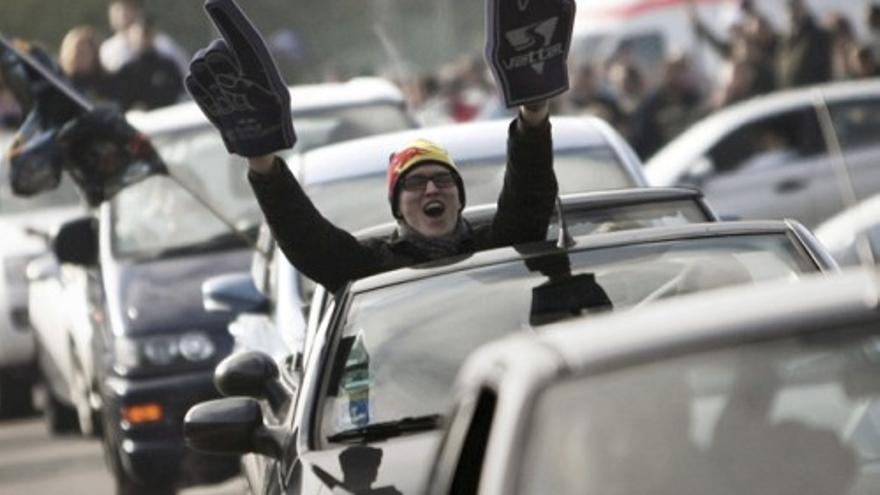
(360, 202)
(797, 415)
(773, 142)
(412, 337)
(156, 215)
(582, 221)
(857, 123)
(333, 125)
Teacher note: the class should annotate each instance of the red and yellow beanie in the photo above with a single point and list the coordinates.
(407, 158)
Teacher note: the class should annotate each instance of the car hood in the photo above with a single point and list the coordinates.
(403, 463)
(165, 294)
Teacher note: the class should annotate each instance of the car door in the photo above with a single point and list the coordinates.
(766, 168)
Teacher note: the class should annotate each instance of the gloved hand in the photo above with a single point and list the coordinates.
(237, 85)
(527, 43)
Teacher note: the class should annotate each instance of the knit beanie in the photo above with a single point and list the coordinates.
(407, 158)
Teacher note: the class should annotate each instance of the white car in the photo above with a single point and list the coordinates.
(768, 157)
(194, 152)
(843, 232)
(24, 226)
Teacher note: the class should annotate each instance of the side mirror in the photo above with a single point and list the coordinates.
(232, 425)
(252, 374)
(233, 292)
(77, 242)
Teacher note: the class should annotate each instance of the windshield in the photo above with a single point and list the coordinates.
(792, 416)
(157, 215)
(402, 345)
(357, 203)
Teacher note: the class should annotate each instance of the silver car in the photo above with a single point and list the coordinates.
(382, 362)
(768, 157)
(770, 389)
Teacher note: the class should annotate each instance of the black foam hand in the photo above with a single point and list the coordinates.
(238, 86)
(527, 44)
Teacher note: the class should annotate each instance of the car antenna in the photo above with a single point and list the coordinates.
(564, 239)
(845, 185)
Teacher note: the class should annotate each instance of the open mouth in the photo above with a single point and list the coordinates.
(434, 209)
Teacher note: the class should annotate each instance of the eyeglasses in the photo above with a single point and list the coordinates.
(417, 183)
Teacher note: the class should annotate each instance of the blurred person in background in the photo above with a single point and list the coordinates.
(589, 95)
(78, 58)
(862, 63)
(669, 109)
(116, 50)
(628, 85)
(873, 17)
(467, 89)
(737, 83)
(843, 42)
(751, 42)
(149, 79)
(804, 55)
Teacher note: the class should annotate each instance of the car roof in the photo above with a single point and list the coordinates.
(703, 133)
(303, 99)
(591, 241)
(464, 142)
(577, 201)
(695, 321)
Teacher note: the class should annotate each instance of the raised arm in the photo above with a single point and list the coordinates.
(527, 48)
(237, 85)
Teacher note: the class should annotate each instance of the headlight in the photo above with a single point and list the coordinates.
(196, 347)
(167, 350)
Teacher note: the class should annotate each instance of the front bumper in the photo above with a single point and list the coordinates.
(155, 452)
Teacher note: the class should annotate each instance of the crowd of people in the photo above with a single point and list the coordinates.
(757, 58)
(136, 67)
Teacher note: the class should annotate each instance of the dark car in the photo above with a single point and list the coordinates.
(770, 389)
(153, 345)
(359, 409)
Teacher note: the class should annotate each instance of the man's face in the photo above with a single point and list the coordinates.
(429, 207)
(121, 16)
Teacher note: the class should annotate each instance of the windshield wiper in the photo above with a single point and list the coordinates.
(388, 429)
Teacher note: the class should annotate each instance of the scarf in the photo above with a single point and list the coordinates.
(457, 242)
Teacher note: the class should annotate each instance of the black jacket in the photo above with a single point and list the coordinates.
(331, 256)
